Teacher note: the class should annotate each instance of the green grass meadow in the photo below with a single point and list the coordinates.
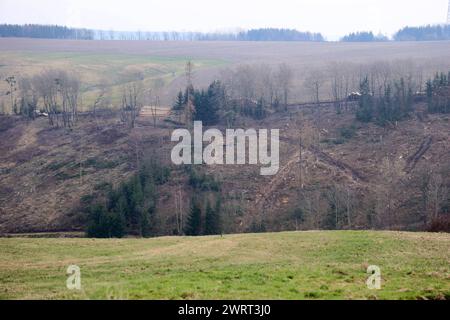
(292, 265)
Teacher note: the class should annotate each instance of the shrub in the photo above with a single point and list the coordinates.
(203, 181)
(440, 224)
(347, 132)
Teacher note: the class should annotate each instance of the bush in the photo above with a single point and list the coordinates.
(348, 132)
(100, 164)
(203, 182)
(440, 224)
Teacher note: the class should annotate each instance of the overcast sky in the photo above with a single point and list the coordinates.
(331, 17)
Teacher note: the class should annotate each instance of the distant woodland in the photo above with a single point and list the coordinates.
(44, 32)
(363, 37)
(60, 32)
(424, 33)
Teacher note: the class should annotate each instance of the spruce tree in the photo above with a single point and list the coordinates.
(104, 224)
(365, 111)
(179, 102)
(212, 219)
(260, 112)
(194, 222)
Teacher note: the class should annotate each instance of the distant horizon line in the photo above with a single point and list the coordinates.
(221, 32)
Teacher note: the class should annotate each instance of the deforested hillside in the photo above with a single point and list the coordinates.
(335, 173)
(86, 130)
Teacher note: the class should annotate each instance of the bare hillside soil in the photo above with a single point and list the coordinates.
(46, 174)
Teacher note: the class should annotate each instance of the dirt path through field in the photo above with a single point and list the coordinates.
(28, 138)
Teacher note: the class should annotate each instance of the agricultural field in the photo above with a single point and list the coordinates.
(292, 265)
(161, 65)
(101, 70)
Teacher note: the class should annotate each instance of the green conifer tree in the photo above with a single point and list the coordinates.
(194, 222)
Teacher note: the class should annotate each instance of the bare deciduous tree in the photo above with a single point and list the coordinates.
(313, 83)
(386, 191)
(101, 101)
(340, 83)
(69, 89)
(59, 91)
(12, 88)
(28, 98)
(189, 72)
(131, 104)
(437, 194)
(154, 109)
(285, 77)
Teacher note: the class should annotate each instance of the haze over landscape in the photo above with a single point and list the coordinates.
(332, 18)
(102, 104)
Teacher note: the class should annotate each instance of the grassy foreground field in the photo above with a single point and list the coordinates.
(302, 265)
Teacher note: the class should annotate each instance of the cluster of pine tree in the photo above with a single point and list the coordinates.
(204, 218)
(203, 182)
(131, 208)
(394, 104)
(208, 104)
(213, 104)
(438, 93)
(205, 221)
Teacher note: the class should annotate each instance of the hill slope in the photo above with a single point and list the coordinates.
(46, 173)
(375, 177)
(294, 265)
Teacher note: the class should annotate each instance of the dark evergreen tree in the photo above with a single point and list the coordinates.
(217, 101)
(438, 93)
(104, 224)
(132, 206)
(209, 103)
(179, 102)
(260, 112)
(365, 110)
(212, 218)
(194, 222)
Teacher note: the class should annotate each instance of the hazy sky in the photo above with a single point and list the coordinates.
(331, 17)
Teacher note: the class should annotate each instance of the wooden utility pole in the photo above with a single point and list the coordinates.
(189, 73)
(179, 210)
(190, 108)
(300, 161)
